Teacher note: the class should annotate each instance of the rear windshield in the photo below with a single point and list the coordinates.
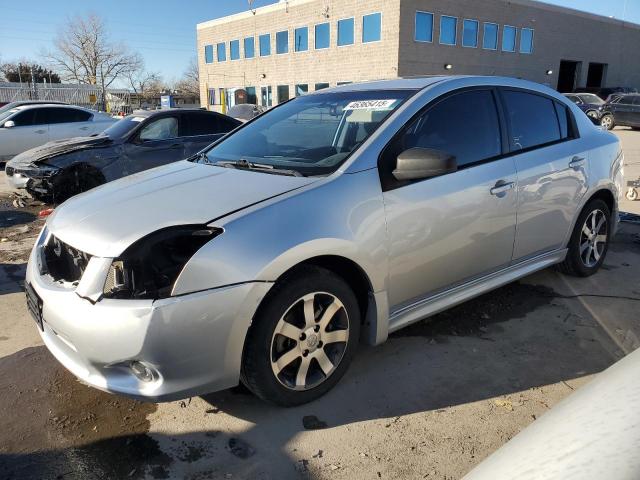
(312, 134)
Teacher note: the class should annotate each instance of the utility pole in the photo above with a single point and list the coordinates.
(33, 83)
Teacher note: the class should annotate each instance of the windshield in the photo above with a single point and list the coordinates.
(7, 114)
(591, 98)
(122, 127)
(310, 135)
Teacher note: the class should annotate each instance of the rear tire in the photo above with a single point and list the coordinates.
(589, 241)
(302, 339)
(607, 122)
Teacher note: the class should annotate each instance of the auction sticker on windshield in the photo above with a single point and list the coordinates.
(371, 104)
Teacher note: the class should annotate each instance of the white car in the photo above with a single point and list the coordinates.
(29, 126)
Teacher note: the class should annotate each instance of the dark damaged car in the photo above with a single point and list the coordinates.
(60, 169)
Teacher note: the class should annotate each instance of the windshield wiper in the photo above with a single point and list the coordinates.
(246, 165)
(198, 157)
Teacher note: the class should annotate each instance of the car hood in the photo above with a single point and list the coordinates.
(106, 220)
(57, 147)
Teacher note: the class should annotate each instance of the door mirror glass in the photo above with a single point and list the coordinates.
(9, 124)
(420, 163)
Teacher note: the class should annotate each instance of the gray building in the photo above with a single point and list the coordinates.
(272, 53)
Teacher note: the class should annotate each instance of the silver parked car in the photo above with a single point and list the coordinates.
(28, 126)
(337, 217)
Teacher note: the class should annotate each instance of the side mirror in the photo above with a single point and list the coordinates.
(420, 163)
(9, 124)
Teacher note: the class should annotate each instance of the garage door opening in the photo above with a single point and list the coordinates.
(568, 75)
(595, 76)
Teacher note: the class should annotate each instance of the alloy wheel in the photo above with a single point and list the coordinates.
(309, 341)
(593, 238)
(606, 122)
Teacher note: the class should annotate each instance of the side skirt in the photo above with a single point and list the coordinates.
(461, 293)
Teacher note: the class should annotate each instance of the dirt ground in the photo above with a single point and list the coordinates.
(432, 402)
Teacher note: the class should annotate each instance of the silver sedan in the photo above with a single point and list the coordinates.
(332, 219)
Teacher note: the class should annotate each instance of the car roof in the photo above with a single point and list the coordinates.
(422, 82)
(57, 105)
(151, 113)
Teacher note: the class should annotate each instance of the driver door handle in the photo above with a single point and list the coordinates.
(40, 131)
(577, 162)
(502, 187)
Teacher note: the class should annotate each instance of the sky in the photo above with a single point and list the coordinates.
(164, 31)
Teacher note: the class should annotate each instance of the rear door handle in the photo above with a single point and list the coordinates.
(502, 187)
(84, 128)
(577, 162)
(41, 131)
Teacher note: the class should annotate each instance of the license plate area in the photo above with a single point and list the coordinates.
(34, 305)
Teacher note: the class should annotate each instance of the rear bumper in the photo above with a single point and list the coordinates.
(193, 343)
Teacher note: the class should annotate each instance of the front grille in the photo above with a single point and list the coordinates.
(64, 262)
(9, 171)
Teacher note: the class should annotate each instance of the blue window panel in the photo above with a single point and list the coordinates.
(448, 30)
(282, 42)
(264, 42)
(509, 39)
(212, 91)
(470, 33)
(323, 33)
(234, 49)
(526, 40)
(208, 53)
(302, 39)
(222, 52)
(345, 32)
(249, 47)
(371, 27)
(490, 40)
(424, 27)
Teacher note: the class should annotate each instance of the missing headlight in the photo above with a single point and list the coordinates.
(149, 268)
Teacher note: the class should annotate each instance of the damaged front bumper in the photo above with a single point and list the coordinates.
(157, 350)
(16, 178)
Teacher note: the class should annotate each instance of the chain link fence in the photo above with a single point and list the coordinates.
(88, 96)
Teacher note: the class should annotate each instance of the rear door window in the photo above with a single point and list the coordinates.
(465, 125)
(66, 115)
(533, 119)
(206, 124)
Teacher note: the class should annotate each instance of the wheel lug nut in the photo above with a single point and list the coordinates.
(305, 353)
(316, 328)
(303, 336)
(319, 344)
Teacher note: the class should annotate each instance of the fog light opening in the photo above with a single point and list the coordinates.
(142, 372)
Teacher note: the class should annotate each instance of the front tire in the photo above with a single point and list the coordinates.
(607, 122)
(302, 339)
(589, 241)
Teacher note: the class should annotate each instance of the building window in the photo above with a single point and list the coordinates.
(424, 27)
(264, 42)
(322, 32)
(234, 49)
(470, 33)
(208, 54)
(283, 93)
(345, 32)
(212, 94)
(265, 93)
(371, 27)
(222, 52)
(251, 95)
(302, 39)
(509, 39)
(249, 47)
(448, 30)
(282, 42)
(343, 83)
(301, 89)
(490, 40)
(526, 40)
(321, 86)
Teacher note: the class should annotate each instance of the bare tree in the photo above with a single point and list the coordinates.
(146, 85)
(84, 53)
(190, 81)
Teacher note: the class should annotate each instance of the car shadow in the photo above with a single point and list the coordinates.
(13, 218)
(12, 277)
